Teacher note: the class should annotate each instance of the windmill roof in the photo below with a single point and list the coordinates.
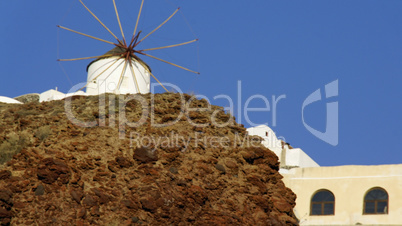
(116, 51)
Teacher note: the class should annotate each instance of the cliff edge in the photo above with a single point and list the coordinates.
(144, 159)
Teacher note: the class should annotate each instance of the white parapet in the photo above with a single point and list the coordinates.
(106, 75)
(296, 157)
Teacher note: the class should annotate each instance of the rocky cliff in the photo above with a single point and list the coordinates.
(161, 159)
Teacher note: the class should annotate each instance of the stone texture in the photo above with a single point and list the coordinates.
(74, 175)
(33, 97)
(40, 190)
(145, 155)
(5, 174)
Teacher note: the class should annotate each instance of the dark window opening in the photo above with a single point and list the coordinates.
(323, 203)
(376, 202)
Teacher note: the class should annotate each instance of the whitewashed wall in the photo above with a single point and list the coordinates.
(270, 140)
(288, 157)
(298, 158)
(104, 77)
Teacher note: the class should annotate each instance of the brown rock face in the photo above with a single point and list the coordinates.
(77, 195)
(51, 170)
(145, 155)
(4, 174)
(188, 172)
(6, 204)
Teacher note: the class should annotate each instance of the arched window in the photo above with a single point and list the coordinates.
(376, 201)
(322, 203)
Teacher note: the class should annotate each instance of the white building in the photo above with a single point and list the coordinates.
(107, 74)
(288, 156)
(339, 195)
(111, 74)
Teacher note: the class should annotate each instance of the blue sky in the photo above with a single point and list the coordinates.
(274, 48)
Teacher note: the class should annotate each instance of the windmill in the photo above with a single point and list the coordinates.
(121, 70)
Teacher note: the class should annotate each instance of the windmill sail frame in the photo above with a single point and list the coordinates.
(134, 76)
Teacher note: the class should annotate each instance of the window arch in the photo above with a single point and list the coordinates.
(376, 201)
(322, 203)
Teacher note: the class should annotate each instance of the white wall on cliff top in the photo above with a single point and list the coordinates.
(57, 95)
(9, 100)
(270, 140)
(289, 157)
(298, 158)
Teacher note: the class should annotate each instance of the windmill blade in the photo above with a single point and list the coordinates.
(164, 22)
(170, 46)
(121, 75)
(138, 20)
(118, 20)
(99, 21)
(134, 39)
(85, 58)
(156, 58)
(156, 79)
(133, 74)
(89, 36)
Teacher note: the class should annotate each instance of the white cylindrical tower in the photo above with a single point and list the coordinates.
(111, 74)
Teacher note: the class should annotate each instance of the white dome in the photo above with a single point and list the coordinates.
(9, 100)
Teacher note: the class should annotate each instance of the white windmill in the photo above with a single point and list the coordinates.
(120, 70)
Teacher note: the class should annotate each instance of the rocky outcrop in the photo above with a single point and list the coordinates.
(27, 98)
(109, 174)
